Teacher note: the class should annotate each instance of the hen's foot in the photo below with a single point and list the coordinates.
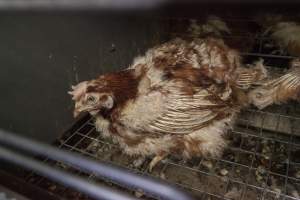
(138, 162)
(156, 160)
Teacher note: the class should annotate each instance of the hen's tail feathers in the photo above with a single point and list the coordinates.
(278, 90)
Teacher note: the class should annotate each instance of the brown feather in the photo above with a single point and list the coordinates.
(123, 86)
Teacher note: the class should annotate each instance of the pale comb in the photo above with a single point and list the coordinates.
(78, 90)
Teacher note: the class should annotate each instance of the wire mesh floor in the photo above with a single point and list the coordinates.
(262, 160)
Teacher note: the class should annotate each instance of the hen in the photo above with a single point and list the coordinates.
(283, 32)
(213, 26)
(235, 34)
(180, 98)
(277, 90)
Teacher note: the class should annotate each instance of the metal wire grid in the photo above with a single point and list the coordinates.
(261, 161)
(244, 161)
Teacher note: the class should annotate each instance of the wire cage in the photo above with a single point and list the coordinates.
(261, 162)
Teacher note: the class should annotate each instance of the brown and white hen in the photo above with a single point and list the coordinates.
(180, 98)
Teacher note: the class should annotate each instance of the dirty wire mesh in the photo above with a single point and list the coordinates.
(262, 160)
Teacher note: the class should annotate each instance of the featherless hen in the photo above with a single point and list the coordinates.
(179, 98)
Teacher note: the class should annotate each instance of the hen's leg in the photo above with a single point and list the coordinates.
(156, 160)
(138, 162)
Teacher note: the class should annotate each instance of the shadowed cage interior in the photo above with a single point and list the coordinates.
(262, 160)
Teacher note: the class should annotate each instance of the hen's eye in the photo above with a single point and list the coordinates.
(91, 99)
(258, 95)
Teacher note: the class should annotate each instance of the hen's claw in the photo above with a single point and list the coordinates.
(156, 160)
(138, 162)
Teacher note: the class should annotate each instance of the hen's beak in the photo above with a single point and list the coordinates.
(81, 109)
(76, 113)
(77, 110)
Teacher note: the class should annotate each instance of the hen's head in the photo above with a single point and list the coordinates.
(104, 93)
(88, 97)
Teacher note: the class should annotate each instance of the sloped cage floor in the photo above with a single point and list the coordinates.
(262, 160)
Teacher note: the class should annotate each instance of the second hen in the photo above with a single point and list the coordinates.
(180, 98)
(284, 33)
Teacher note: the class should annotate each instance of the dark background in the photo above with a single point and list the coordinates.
(42, 55)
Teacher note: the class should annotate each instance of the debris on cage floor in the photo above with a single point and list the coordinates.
(262, 161)
(259, 163)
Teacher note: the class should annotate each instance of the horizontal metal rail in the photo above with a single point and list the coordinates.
(92, 189)
(90, 5)
(150, 186)
(55, 5)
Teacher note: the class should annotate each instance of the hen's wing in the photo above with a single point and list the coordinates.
(185, 114)
(173, 111)
(187, 83)
(246, 77)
